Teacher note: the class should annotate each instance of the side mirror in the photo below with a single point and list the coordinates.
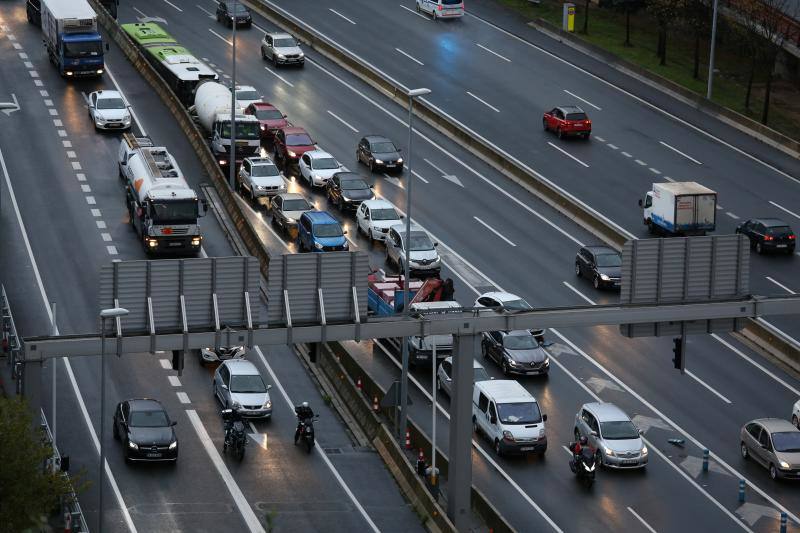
(91, 106)
(640, 202)
(435, 244)
(399, 149)
(544, 418)
(269, 387)
(344, 232)
(402, 217)
(449, 380)
(225, 387)
(204, 205)
(372, 186)
(641, 432)
(173, 423)
(285, 115)
(593, 433)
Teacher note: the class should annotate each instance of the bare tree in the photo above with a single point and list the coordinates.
(695, 17)
(665, 12)
(628, 7)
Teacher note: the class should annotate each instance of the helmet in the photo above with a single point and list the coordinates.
(305, 404)
(584, 441)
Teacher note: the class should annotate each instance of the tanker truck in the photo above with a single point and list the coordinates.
(212, 105)
(163, 209)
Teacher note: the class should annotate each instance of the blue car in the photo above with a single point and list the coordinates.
(318, 231)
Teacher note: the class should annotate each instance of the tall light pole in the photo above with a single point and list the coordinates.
(116, 313)
(232, 160)
(711, 52)
(413, 93)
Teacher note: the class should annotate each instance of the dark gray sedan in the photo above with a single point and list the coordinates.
(517, 352)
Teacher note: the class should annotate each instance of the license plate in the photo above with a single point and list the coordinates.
(176, 244)
(153, 455)
(390, 165)
(630, 462)
(526, 449)
(781, 246)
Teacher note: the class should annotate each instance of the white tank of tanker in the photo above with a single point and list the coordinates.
(211, 98)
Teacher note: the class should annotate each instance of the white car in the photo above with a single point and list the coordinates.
(317, 167)
(796, 414)
(246, 95)
(109, 111)
(237, 383)
(444, 375)
(441, 8)
(375, 217)
(259, 177)
(505, 302)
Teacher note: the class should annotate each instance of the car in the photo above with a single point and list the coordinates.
(269, 117)
(375, 217)
(227, 10)
(423, 257)
(617, 441)
(109, 110)
(420, 348)
(287, 208)
(509, 416)
(441, 8)
(775, 444)
(796, 414)
(444, 375)
(238, 384)
(768, 235)
(379, 153)
(146, 431)
(259, 177)
(290, 144)
(317, 167)
(516, 351)
(319, 231)
(210, 354)
(601, 264)
(505, 302)
(246, 95)
(567, 120)
(347, 190)
(281, 49)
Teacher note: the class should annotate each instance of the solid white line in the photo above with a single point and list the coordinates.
(140, 11)
(133, 113)
(690, 158)
(173, 5)
(734, 217)
(579, 293)
(781, 285)
(493, 52)
(568, 154)
(259, 28)
(250, 518)
(221, 37)
(317, 445)
(756, 364)
(640, 519)
(183, 397)
(707, 386)
(585, 102)
(484, 102)
(166, 364)
(279, 76)
(487, 226)
(337, 13)
(414, 172)
(414, 12)
(342, 121)
(206, 11)
(784, 209)
(420, 63)
(173, 380)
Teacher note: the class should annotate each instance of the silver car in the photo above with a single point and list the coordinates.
(281, 49)
(237, 383)
(775, 444)
(286, 210)
(423, 257)
(610, 431)
(258, 178)
(444, 375)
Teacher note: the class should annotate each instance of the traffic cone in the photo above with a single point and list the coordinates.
(375, 406)
(67, 523)
(358, 384)
(408, 440)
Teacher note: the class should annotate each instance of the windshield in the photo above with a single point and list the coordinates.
(268, 114)
(618, 430)
(517, 305)
(236, 8)
(148, 419)
(247, 94)
(328, 230)
(244, 131)
(479, 374)
(786, 441)
(384, 214)
(298, 139)
(576, 116)
(520, 342)
(778, 230)
(354, 184)
(451, 2)
(262, 171)
(296, 205)
(286, 42)
(609, 260)
(382, 148)
(247, 383)
(110, 103)
(83, 49)
(420, 242)
(519, 413)
(324, 163)
(174, 211)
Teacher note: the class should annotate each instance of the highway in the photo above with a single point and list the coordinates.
(465, 205)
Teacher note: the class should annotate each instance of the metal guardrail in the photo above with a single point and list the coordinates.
(11, 342)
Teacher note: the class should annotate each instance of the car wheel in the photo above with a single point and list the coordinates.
(586, 135)
(475, 428)
(504, 367)
(127, 454)
(759, 248)
(484, 352)
(559, 133)
(417, 7)
(795, 421)
(773, 472)
(274, 61)
(371, 165)
(433, 15)
(576, 434)
(599, 458)
(578, 269)
(497, 449)
(743, 450)
(263, 54)
(596, 281)
(369, 235)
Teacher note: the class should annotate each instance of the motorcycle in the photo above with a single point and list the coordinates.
(235, 434)
(584, 465)
(305, 431)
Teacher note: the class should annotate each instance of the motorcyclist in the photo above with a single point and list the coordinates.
(230, 416)
(577, 446)
(304, 413)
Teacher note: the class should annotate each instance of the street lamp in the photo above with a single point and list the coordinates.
(711, 51)
(116, 313)
(413, 93)
(232, 160)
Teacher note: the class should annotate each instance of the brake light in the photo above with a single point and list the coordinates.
(791, 237)
(439, 7)
(769, 238)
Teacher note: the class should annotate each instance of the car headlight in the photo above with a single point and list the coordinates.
(263, 127)
(644, 450)
(301, 54)
(291, 154)
(196, 240)
(609, 451)
(318, 246)
(99, 118)
(378, 162)
(346, 245)
(290, 220)
(512, 362)
(260, 187)
(507, 435)
(784, 465)
(282, 56)
(132, 445)
(268, 405)
(282, 187)
(604, 277)
(546, 361)
(319, 178)
(399, 160)
(173, 445)
(541, 433)
(346, 199)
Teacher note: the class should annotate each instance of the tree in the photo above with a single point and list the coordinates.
(29, 490)
(696, 17)
(628, 7)
(586, 17)
(666, 12)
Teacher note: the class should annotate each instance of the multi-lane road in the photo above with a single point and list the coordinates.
(492, 234)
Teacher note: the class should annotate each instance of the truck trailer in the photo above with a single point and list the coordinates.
(679, 208)
(73, 43)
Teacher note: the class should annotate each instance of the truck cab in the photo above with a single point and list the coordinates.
(248, 138)
(71, 37)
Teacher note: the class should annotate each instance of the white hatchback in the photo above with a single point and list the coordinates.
(317, 167)
(246, 95)
(375, 217)
(109, 110)
(796, 414)
(445, 9)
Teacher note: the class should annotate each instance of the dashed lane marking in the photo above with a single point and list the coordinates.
(85, 188)
(166, 364)
(106, 236)
(174, 380)
(112, 250)
(96, 213)
(81, 177)
(100, 224)
(90, 200)
(76, 165)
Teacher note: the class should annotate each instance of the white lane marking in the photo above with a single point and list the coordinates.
(23, 55)
(340, 119)
(781, 285)
(166, 364)
(599, 139)
(109, 474)
(640, 162)
(585, 102)
(789, 337)
(415, 60)
(673, 181)
(707, 386)
(106, 236)
(504, 58)
(85, 188)
(71, 154)
(44, 93)
(414, 12)
(133, 113)
(112, 250)
(12, 37)
(227, 77)
(90, 200)
(439, 170)
(62, 133)
(654, 171)
(579, 293)
(173, 380)
(568, 154)
(221, 37)
(690, 158)
(259, 28)
(484, 102)
(173, 5)
(487, 226)
(278, 76)
(28, 64)
(734, 217)
(100, 224)
(250, 518)
(394, 181)
(96, 213)
(183, 397)
(38, 83)
(641, 520)
(784, 209)
(139, 11)
(207, 12)
(53, 112)
(33, 73)
(612, 146)
(626, 154)
(317, 445)
(16, 46)
(57, 123)
(414, 172)
(66, 144)
(345, 18)
(82, 177)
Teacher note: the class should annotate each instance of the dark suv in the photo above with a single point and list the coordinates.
(347, 190)
(601, 264)
(291, 143)
(379, 153)
(768, 235)
(226, 11)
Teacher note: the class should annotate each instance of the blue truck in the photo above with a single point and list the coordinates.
(71, 37)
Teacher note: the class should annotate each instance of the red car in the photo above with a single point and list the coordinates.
(567, 120)
(290, 143)
(270, 118)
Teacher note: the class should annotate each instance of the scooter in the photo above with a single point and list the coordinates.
(305, 432)
(235, 434)
(584, 465)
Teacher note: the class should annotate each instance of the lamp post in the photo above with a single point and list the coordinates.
(711, 52)
(232, 160)
(413, 93)
(116, 313)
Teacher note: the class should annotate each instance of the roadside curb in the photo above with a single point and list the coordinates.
(765, 337)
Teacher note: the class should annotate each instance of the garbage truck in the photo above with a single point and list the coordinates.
(679, 208)
(73, 43)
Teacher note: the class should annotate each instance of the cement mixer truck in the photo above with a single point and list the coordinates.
(163, 209)
(212, 105)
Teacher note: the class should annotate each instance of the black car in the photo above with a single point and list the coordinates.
(768, 235)
(378, 152)
(226, 11)
(347, 190)
(601, 264)
(146, 431)
(517, 352)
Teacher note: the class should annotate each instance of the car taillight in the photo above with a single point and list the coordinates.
(791, 237)
(440, 7)
(769, 238)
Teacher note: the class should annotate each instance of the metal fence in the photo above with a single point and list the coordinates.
(11, 342)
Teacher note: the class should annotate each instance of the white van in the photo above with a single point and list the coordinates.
(509, 416)
(441, 8)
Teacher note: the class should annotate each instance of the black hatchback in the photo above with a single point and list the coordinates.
(347, 190)
(146, 431)
(379, 153)
(768, 235)
(601, 264)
